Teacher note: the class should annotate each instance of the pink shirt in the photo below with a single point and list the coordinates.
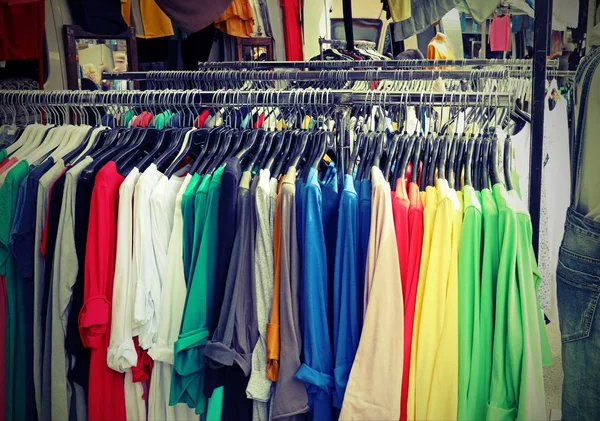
(500, 33)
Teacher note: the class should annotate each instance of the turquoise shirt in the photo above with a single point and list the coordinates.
(188, 368)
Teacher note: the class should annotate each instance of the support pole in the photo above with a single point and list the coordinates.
(348, 27)
(543, 28)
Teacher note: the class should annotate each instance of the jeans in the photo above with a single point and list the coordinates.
(578, 291)
(578, 285)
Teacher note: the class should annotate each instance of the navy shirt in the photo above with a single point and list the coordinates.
(22, 236)
(230, 181)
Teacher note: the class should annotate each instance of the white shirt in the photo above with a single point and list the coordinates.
(172, 304)
(121, 351)
(144, 323)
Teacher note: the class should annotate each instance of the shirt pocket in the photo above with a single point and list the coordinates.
(578, 292)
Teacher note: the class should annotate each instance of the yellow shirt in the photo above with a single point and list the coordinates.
(436, 371)
(154, 21)
(443, 397)
(400, 10)
(429, 198)
(439, 48)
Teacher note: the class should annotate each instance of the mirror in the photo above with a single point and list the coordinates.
(255, 49)
(89, 55)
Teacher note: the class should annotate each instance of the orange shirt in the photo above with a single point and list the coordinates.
(273, 343)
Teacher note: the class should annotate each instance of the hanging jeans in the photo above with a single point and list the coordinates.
(578, 290)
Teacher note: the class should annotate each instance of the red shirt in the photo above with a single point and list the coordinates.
(400, 206)
(415, 242)
(292, 31)
(106, 397)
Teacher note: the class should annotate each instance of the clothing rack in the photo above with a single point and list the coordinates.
(234, 97)
(309, 75)
(384, 64)
(338, 43)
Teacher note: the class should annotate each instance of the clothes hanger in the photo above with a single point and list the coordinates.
(460, 159)
(395, 140)
(451, 162)
(191, 146)
(474, 162)
(214, 141)
(442, 157)
(417, 154)
(358, 146)
(143, 145)
(427, 146)
(493, 160)
(285, 153)
(300, 149)
(433, 161)
(484, 163)
(468, 160)
(205, 137)
(508, 163)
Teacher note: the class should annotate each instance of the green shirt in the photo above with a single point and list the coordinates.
(15, 357)
(507, 350)
(3, 154)
(536, 349)
(481, 365)
(200, 209)
(469, 296)
(187, 212)
(188, 376)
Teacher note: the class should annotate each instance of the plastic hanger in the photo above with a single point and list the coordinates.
(474, 162)
(431, 165)
(468, 159)
(191, 145)
(417, 153)
(451, 162)
(391, 156)
(508, 163)
(166, 138)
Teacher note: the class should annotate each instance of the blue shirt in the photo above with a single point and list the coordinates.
(331, 203)
(346, 290)
(364, 229)
(317, 370)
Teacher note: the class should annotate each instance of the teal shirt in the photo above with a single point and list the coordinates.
(200, 209)
(187, 212)
(469, 296)
(188, 368)
(3, 154)
(15, 356)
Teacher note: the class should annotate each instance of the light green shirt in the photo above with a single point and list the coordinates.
(536, 349)
(507, 350)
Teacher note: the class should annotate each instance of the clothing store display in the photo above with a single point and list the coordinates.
(399, 10)
(439, 48)
(565, 14)
(237, 20)
(423, 14)
(481, 10)
(192, 17)
(291, 13)
(147, 18)
(22, 32)
(577, 269)
(500, 33)
(236, 263)
(98, 18)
